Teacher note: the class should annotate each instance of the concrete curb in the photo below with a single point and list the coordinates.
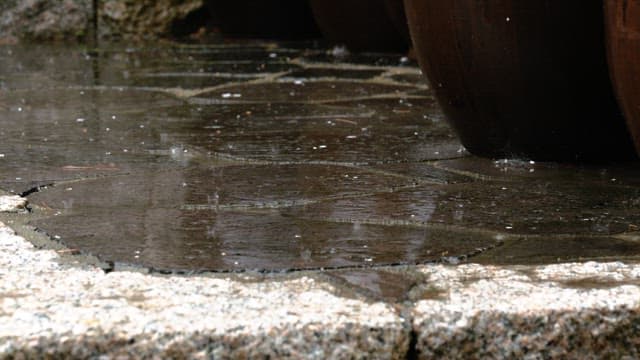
(53, 308)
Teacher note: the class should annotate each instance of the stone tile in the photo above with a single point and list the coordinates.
(70, 133)
(366, 131)
(181, 239)
(225, 187)
(560, 249)
(238, 217)
(518, 170)
(300, 91)
(410, 78)
(539, 208)
(333, 73)
(535, 208)
(337, 56)
(423, 172)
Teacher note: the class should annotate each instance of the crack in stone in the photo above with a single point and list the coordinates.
(36, 189)
(55, 183)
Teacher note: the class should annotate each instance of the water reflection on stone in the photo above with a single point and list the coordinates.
(228, 157)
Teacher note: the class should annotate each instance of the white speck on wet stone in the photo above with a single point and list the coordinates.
(13, 203)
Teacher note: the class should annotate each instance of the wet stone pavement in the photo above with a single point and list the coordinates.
(282, 157)
(179, 201)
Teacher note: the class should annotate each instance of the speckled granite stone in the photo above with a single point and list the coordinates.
(577, 311)
(54, 308)
(62, 307)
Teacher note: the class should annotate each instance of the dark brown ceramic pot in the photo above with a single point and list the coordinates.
(272, 19)
(363, 25)
(522, 78)
(623, 43)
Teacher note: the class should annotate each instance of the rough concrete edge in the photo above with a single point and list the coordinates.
(568, 310)
(480, 311)
(567, 334)
(310, 341)
(296, 337)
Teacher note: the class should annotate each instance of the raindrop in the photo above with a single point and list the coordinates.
(339, 51)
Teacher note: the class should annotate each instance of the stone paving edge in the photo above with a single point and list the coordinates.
(56, 309)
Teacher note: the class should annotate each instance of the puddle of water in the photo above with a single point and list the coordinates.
(283, 165)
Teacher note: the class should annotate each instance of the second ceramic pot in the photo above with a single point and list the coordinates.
(623, 40)
(363, 25)
(522, 78)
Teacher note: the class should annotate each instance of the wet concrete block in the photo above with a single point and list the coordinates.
(575, 310)
(75, 310)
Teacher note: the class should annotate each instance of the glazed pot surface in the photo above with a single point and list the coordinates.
(522, 78)
(363, 25)
(623, 43)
